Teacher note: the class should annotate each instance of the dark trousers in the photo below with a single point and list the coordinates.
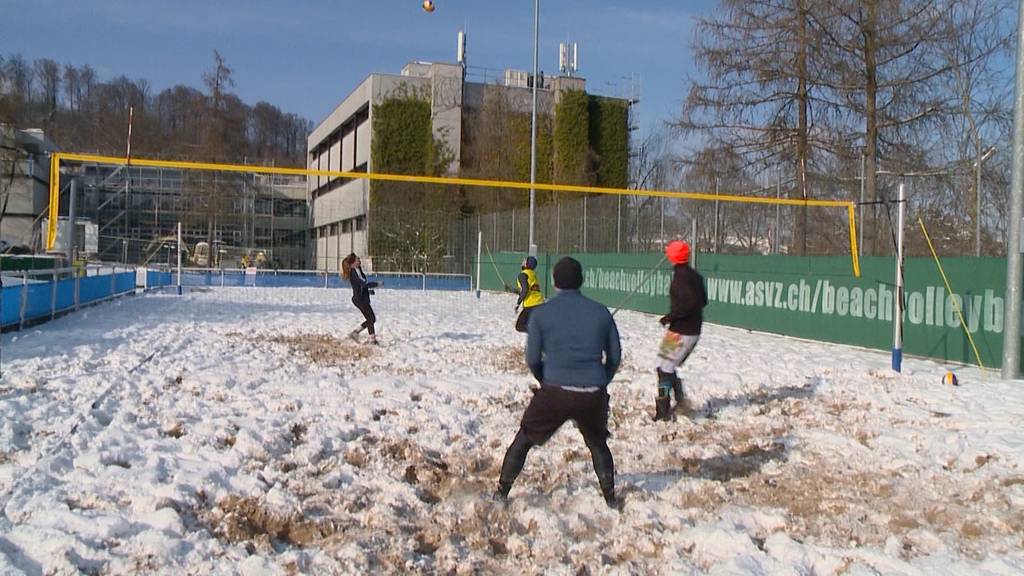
(524, 319)
(551, 407)
(367, 310)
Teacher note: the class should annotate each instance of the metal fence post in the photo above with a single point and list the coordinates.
(24, 301)
(77, 289)
(661, 234)
(618, 224)
(584, 222)
(558, 225)
(53, 294)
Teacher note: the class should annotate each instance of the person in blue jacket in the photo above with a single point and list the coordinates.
(572, 349)
(352, 270)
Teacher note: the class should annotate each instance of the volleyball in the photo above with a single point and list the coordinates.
(949, 379)
(428, 5)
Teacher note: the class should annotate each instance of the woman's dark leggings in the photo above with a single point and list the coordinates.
(367, 311)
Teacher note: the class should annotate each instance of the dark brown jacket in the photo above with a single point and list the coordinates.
(688, 299)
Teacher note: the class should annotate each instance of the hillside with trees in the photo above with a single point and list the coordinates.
(82, 112)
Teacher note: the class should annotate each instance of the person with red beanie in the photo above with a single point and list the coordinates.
(687, 299)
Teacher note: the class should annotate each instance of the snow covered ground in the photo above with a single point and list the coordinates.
(237, 430)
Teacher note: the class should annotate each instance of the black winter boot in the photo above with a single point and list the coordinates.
(663, 408)
(612, 501)
(607, 480)
(501, 494)
(682, 403)
(663, 405)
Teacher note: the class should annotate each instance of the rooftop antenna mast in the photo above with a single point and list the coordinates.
(568, 58)
(460, 55)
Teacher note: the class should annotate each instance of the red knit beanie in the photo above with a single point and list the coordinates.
(677, 252)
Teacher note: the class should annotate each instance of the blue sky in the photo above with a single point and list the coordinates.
(306, 55)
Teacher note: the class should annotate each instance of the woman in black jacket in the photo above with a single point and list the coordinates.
(352, 270)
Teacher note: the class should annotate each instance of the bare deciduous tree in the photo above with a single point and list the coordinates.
(757, 98)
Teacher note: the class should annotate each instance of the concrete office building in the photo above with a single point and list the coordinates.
(25, 193)
(340, 209)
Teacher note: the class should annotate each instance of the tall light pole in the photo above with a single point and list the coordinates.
(1011, 316)
(533, 124)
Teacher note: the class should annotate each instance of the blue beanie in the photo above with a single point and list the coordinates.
(531, 262)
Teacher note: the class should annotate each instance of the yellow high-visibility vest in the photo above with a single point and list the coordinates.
(534, 297)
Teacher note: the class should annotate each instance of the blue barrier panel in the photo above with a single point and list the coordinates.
(232, 279)
(65, 294)
(399, 282)
(11, 303)
(38, 303)
(155, 279)
(92, 288)
(270, 280)
(124, 282)
(192, 279)
(417, 282)
(449, 283)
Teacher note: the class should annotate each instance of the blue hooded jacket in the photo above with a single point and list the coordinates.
(572, 342)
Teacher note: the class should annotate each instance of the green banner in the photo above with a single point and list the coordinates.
(817, 298)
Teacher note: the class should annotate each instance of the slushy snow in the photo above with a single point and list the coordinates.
(239, 430)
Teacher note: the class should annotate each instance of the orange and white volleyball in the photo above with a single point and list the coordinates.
(428, 5)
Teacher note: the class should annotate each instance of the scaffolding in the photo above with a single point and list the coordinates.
(136, 208)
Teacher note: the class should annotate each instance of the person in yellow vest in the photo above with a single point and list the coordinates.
(530, 295)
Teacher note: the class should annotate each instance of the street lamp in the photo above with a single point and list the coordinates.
(533, 126)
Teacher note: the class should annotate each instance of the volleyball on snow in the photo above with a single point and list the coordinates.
(428, 5)
(949, 379)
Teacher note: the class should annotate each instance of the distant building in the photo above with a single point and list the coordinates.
(342, 210)
(137, 210)
(24, 185)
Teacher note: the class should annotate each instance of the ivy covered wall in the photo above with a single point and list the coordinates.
(571, 139)
(581, 139)
(407, 221)
(585, 141)
(609, 140)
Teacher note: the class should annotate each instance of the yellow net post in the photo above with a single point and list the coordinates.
(854, 252)
(51, 225)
